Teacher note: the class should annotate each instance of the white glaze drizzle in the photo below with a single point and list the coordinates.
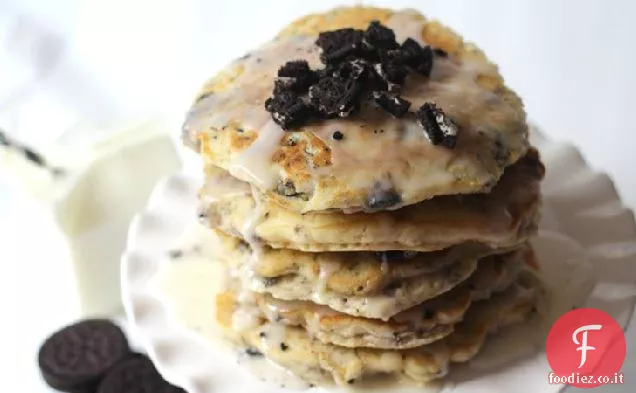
(327, 269)
(253, 165)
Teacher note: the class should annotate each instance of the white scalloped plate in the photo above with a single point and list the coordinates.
(585, 229)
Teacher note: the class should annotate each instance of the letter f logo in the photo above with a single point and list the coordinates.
(584, 347)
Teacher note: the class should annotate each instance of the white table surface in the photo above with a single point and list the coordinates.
(572, 61)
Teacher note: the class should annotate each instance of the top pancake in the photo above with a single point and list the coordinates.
(308, 170)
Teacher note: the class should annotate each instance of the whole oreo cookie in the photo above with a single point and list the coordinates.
(136, 375)
(76, 358)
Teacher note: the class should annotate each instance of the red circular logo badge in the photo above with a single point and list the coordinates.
(585, 349)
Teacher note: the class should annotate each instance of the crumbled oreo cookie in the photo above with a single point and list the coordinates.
(380, 36)
(391, 72)
(335, 97)
(76, 358)
(295, 75)
(287, 109)
(357, 69)
(282, 85)
(295, 68)
(359, 65)
(438, 128)
(418, 58)
(393, 104)
(396, 56)
(338, 45)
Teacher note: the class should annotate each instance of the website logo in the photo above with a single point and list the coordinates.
(586, 348)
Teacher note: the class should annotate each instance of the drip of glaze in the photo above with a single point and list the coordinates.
(254, 165)
(274, 336)
(327, 269)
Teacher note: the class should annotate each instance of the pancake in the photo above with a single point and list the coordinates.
(346, 273)
(400, 295)
(422, 324)
(310, 170)
(316, 362)
(503, 218)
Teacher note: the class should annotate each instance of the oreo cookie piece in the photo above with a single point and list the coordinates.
(438, 128)
(337, 45)
(335, 97)
(397, 56)
(420, 59)
(76, 358)
(287, 108)
(136, 375)
(391, 72)
(393, 104)
(295, 75)
(380, 36)
(357, 69)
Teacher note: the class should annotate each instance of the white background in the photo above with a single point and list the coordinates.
(572, 61)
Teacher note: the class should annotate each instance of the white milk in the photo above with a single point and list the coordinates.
(105, 183)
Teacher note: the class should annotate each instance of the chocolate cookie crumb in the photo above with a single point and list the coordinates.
(287, 109)
(334, 97)
(394, 105)
(380, 36)
(295, 75)
(339, 44)
(418, 58)
(438, 128)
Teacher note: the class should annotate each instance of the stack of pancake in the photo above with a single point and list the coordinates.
(369, 241)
